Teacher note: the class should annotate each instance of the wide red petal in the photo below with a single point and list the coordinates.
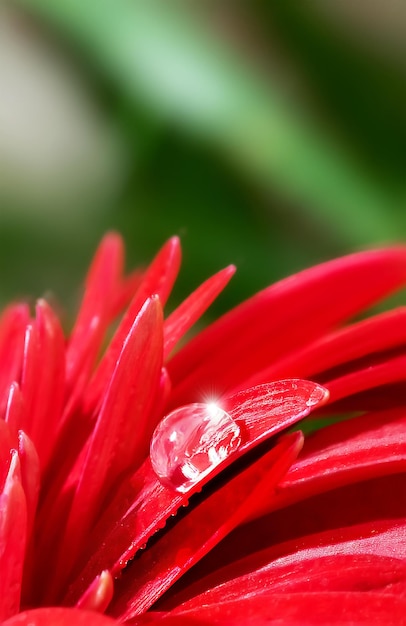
(344, 347)
(355, 450)
(272, 324)
(357, 558)
(58, 616)
(310, 609)
(143, 504)
(180, 547)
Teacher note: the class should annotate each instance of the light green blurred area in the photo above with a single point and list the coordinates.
(267, 134)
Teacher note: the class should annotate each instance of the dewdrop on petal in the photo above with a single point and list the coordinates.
(190, 442)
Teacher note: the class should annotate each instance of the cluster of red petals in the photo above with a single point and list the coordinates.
(291, 528)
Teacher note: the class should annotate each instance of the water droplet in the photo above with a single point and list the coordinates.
(190, 442)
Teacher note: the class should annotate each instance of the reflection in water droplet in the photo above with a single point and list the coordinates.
(191, 441)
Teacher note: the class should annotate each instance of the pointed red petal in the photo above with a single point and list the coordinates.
(342, 347)
(94, 315)
(99, 595)
(390, 371)
(15, 411)
(13, 529)
(7, 442)
(187, 314)
(157, 280)
(271, 324)
(30, 476)
(43, 380)
(13, 323)
(122, 430)
(203, 527)
(125, 292)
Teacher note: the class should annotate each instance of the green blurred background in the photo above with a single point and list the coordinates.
(267, 134)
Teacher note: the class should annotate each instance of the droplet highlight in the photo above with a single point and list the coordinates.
(190, 442)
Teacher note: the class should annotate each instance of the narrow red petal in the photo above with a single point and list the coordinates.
(100, 288)
(203, 527)
(157, 280)
(121, 433)
(43, 380)
(271, 324)
(99, 595)
(30, 476)
(8, 441)
(187, 314)
(342, 347)
(15, 415)
(390, 371)
(125, 292)
(13, 322)
(13, 529)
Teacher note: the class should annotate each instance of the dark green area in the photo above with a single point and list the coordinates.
(268, 181)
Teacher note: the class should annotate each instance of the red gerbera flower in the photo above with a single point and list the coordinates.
(103, 460)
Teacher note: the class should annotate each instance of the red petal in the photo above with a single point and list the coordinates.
(125, 292)
(121, 432)
(15, 412)
(13, 529)
(158, 280)
(271, 324)
(355, 608)
(267, 409)
(43, 380)
(59, 617)
(143, 504)
(361, 502)
(94, 315)
(354, 450)
(368, 337)
(203, 527)
(30, 476)
(390, 371)
(99, 595)
(12, 332)
(357, 558)
(183, 318)
(7, 442)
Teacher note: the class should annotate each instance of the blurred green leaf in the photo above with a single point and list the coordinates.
(161, 54)
(363, 93)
